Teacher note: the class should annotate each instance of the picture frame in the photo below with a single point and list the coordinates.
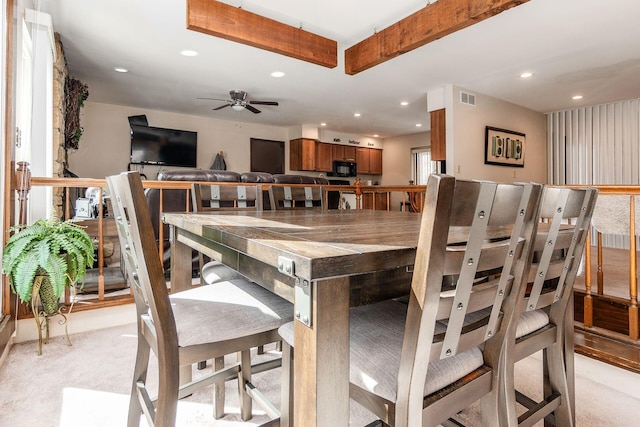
(504, 147)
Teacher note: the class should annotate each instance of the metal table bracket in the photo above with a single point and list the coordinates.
(303, 301)
(302, 291)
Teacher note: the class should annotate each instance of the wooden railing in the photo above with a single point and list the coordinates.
(103, 229)
(411, 198)
(598, 305)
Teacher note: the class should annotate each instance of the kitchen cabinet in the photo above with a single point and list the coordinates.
(324, 157)
(343, 152)
(369, 161)
(375, 201)
(375, 161)
(310, 155)
(438, 135)
(362, 160)
(302, 154)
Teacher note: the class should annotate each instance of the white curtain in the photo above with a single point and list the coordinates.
(596, 145)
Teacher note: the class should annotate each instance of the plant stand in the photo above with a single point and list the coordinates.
(42, 319)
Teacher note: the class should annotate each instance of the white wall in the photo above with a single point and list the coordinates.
(396, 157)
(466, 134)
(105, 145)
(396, 161)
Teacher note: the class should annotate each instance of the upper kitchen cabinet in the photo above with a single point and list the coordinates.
(302, 154)
(362, 159)
(343, 152)
(369, 160)
(438, 135)
(375, 161)
(324, 157)
(310, 155)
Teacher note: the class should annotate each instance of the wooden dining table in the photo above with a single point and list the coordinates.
(322, 261)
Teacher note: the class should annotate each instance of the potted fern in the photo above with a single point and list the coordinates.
(44, 258)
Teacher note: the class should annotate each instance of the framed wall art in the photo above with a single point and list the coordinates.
(504, 147)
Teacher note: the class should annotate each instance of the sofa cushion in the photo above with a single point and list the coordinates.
(298, 179)
(257, 177)
(199, 175)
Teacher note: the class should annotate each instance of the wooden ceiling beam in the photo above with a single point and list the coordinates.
(424, 26)
(238, 25)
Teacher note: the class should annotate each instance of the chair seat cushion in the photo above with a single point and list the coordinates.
(376, 333)
(227, 310)
(531, 321)
(215, 271)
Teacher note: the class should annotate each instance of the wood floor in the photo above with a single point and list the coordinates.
(608, 340)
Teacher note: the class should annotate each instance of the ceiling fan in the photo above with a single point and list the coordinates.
(239, 102)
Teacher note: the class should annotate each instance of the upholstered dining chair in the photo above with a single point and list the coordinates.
(185, 327)
(420, 363)
(545, 311)
(295, 196)
(217, 197)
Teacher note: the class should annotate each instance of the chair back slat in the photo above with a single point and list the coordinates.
(559, 243)
(209, 197)
(295, 196)
(473, 255)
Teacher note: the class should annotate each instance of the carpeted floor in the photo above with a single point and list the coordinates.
(88, 384)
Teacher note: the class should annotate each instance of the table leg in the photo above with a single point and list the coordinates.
(321, 366)
(180, 263)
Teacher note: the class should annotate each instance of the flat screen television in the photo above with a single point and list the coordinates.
(159, 146)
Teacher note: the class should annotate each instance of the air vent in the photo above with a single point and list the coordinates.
(467, 98)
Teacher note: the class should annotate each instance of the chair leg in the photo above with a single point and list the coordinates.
(139, 374)
(286, 386)
(218, 390)
(244, 376)
(555, 379)
(260, 349)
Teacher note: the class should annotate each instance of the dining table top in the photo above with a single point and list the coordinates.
(320, 243)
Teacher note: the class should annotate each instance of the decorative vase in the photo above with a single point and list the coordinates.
(50, 304)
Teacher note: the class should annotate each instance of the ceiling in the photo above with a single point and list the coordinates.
(587, 47)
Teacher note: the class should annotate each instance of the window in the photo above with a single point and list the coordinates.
(421, 165)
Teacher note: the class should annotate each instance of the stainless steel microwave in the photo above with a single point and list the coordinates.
(344, 168)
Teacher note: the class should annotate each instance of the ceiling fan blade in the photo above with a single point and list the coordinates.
(221, 107)
(263, 102)
(214, 99)
(252, 109)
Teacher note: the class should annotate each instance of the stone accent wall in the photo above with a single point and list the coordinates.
(60, 72)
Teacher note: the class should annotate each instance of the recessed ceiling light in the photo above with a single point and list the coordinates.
(277, 74)
(526, 75)
(323, 124)
(418, 125)
(356, 115)
(576, 97)
(375, 135)
(188, 52)
(404, 103)
(121, 69)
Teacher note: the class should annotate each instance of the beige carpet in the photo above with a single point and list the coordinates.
(88, 384)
